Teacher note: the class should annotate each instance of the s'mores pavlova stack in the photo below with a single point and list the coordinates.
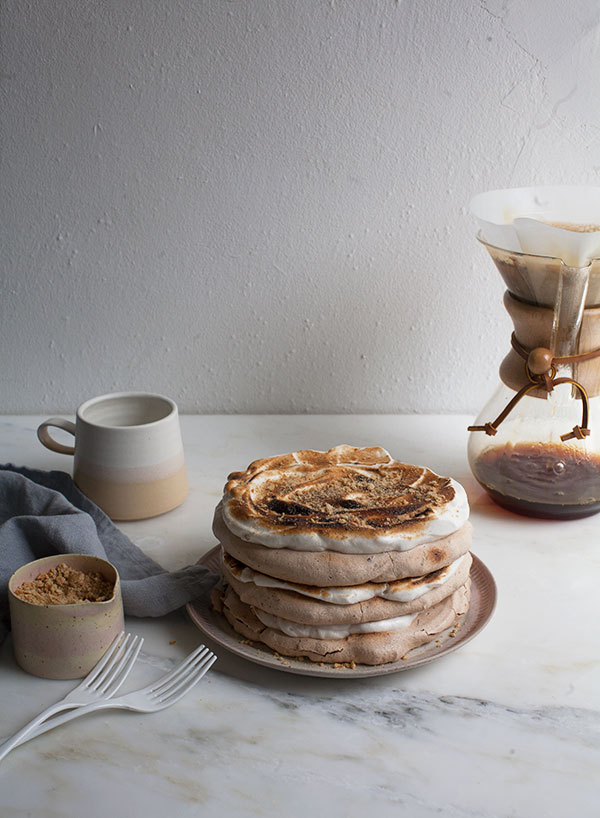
(344, 556)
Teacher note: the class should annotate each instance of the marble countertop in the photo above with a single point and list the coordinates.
(508, 725)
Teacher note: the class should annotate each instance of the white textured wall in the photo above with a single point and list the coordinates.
(260, 205)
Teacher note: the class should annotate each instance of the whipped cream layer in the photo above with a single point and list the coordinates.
(349, 500)
(402, 590)
(295, 629)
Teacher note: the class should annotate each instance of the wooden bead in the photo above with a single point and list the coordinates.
(539, 360)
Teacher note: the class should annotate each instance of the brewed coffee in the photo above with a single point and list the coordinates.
(541, 480)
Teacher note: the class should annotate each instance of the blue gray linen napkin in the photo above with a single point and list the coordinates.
(44, 513)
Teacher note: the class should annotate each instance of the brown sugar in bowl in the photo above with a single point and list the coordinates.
(58, 640)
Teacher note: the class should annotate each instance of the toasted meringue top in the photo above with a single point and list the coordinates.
(350, 500)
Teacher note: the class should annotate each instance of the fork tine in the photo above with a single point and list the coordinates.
(107, 667)
(121, 670)
(200, 670)
(116, 655)
(163, 686)
(176, 670)
(113, 650)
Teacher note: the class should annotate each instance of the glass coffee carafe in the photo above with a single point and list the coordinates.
(535, 446)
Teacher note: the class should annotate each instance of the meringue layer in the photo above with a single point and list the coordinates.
(295, 629)
(402, 590)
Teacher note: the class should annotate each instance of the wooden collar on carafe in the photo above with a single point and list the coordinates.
(541, 368)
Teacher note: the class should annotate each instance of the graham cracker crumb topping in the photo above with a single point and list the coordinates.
(344, 489)
(64, 585)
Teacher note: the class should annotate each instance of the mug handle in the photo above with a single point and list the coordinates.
(45, 437)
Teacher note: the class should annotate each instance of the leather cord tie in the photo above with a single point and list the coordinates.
(541, 369)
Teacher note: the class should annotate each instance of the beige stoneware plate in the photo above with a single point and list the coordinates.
(483, 601)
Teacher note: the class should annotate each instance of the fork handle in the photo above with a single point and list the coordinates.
(33, 731)
(27, 732)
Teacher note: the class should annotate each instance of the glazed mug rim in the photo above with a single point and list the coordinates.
(109, 397)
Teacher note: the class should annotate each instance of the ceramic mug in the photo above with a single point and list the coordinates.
(128, 454)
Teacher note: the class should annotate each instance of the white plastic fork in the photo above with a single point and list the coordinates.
(101, 683)
(159, 695)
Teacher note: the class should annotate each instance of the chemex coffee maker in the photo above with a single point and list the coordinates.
(535, 447)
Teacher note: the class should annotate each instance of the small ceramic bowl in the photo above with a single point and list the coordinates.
(63, 641)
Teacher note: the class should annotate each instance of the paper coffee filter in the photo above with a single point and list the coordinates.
(524, 220)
